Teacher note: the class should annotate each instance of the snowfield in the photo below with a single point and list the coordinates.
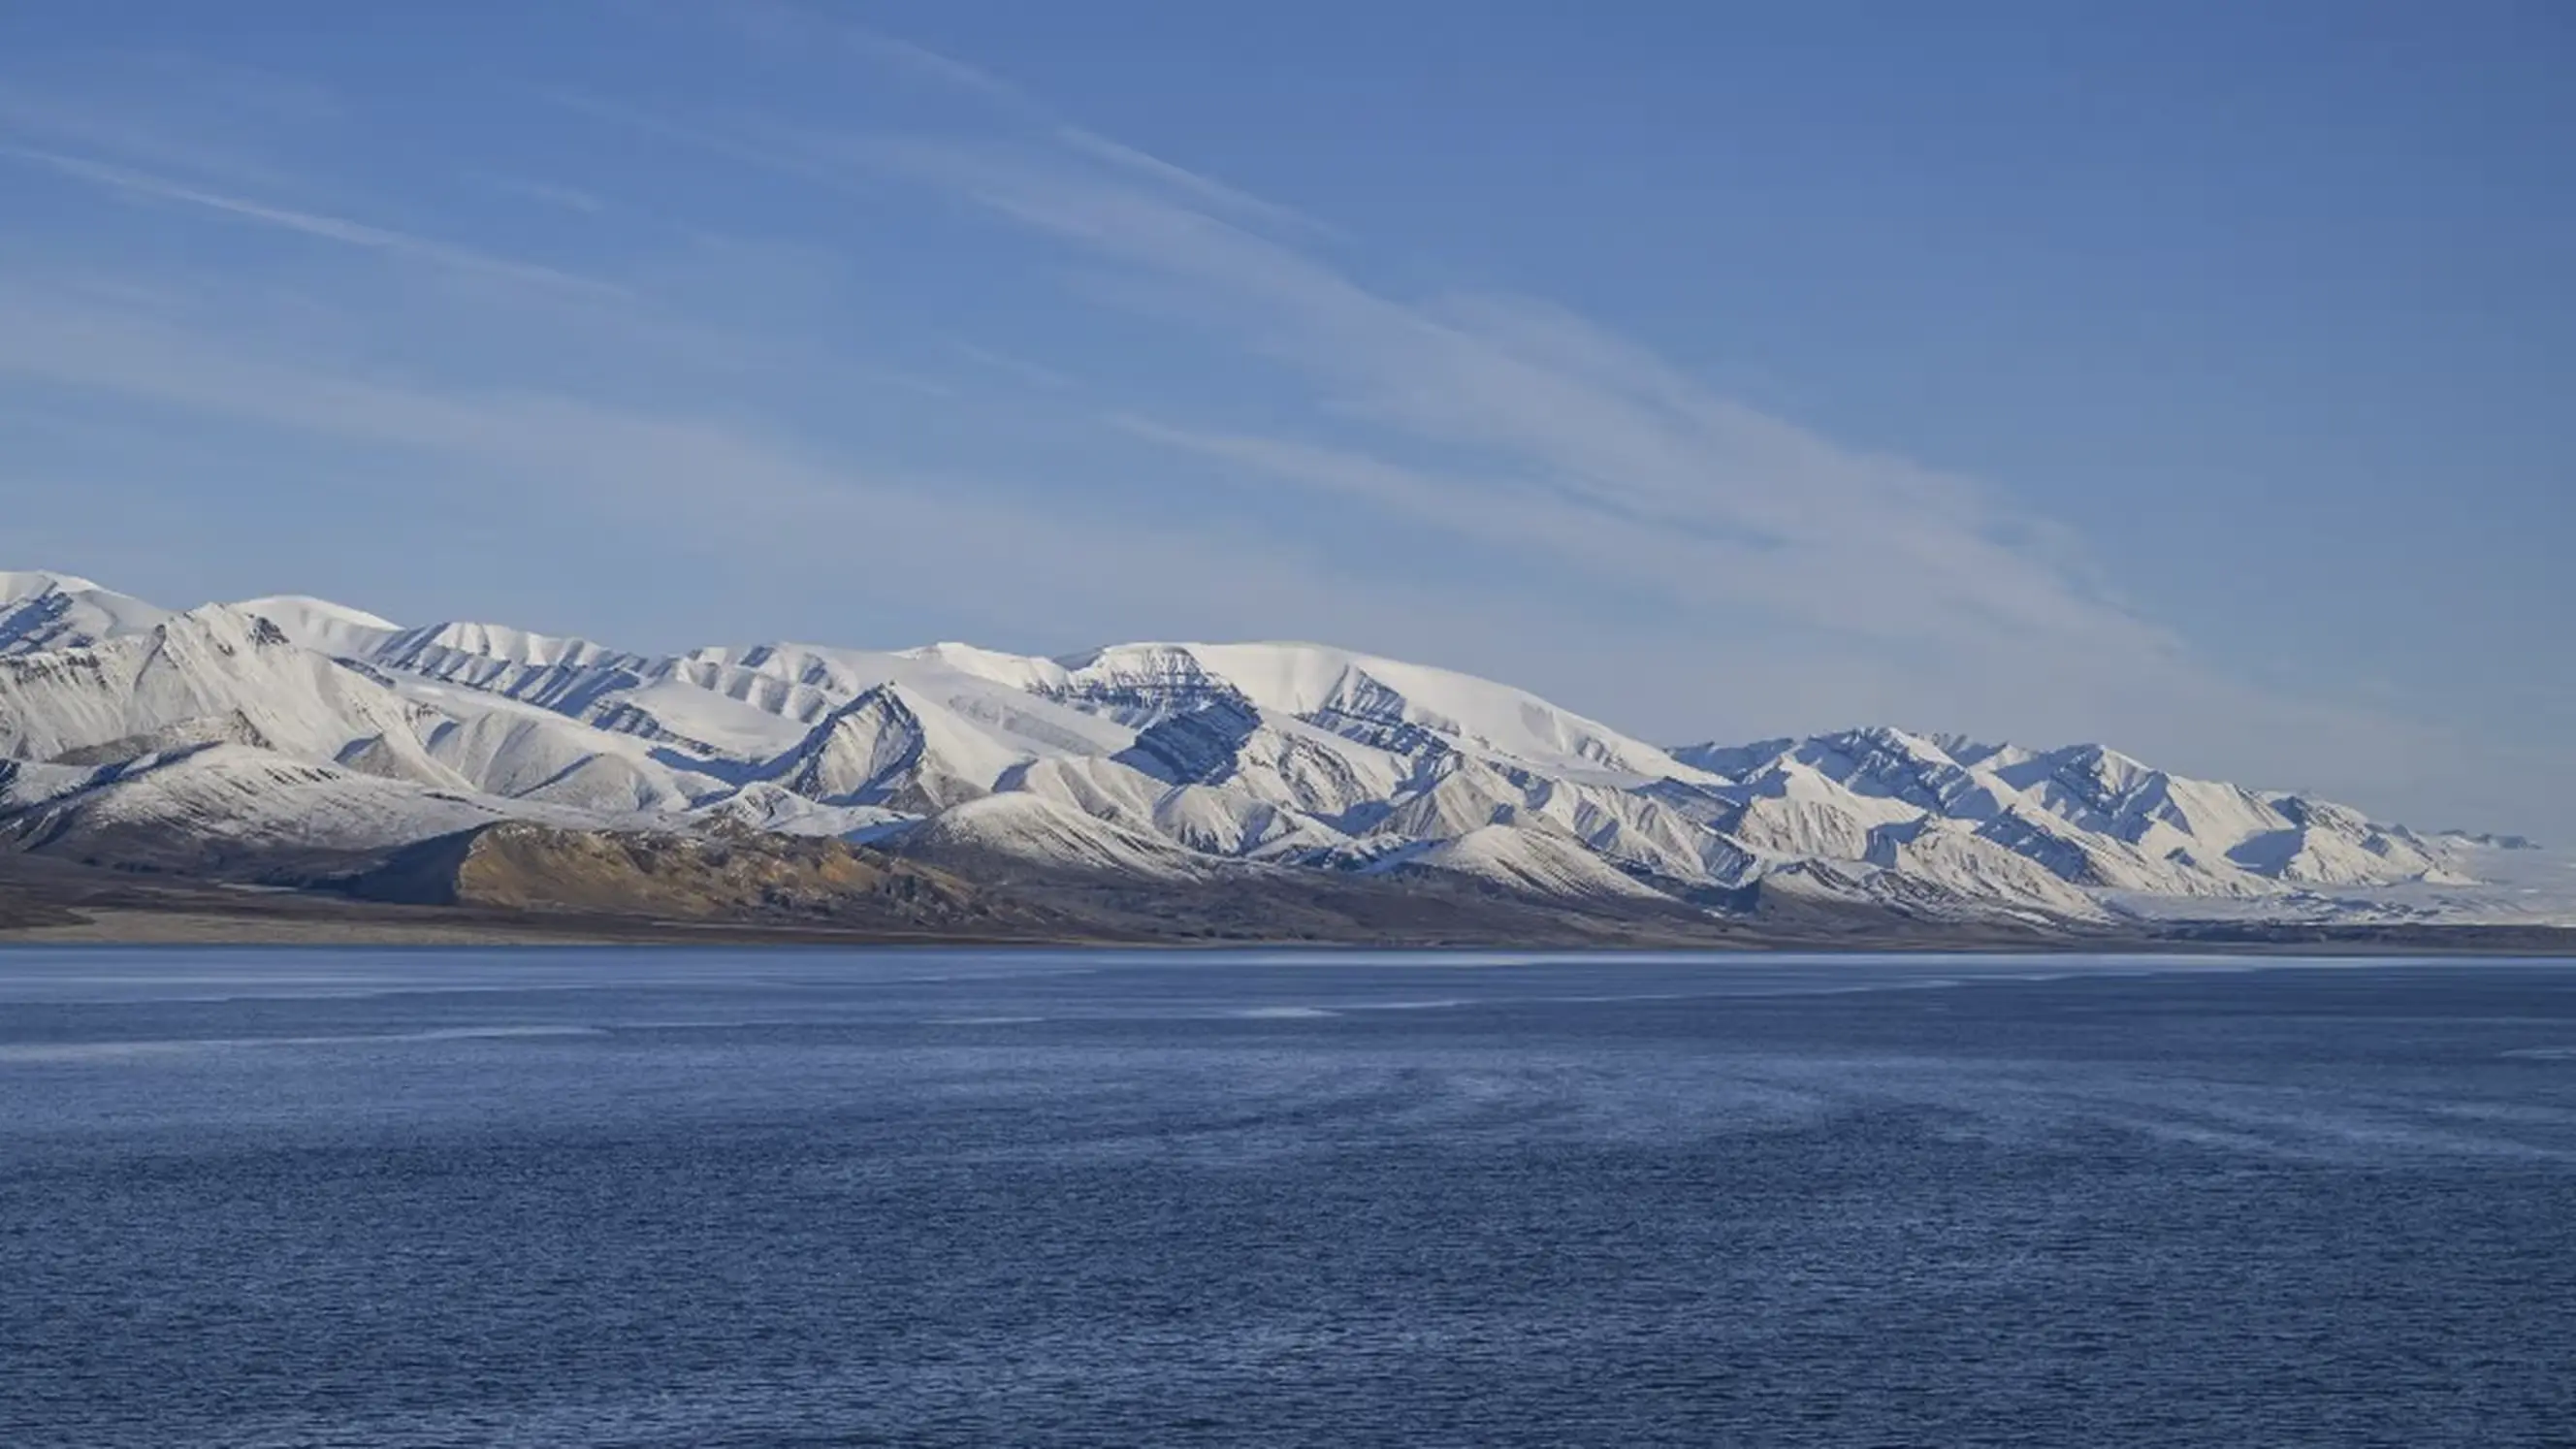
(290, 722)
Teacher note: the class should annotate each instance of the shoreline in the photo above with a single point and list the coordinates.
(55, 904)
(310, 922)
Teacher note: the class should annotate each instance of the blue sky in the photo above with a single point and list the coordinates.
(2187, 377)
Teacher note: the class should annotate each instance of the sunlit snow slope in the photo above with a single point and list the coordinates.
(288, 722)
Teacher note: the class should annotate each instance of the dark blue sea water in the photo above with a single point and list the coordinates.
(665, 1198)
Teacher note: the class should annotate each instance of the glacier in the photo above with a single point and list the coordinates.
(245, 734)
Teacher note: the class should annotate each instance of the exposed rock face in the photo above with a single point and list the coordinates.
(734, 876)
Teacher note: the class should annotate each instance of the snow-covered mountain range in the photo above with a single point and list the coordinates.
(249, 732)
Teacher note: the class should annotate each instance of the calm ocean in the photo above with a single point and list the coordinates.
(605, 1197)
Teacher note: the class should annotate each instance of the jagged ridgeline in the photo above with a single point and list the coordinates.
(290, 738)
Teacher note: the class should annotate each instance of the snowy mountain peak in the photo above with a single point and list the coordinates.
(43, 610)
(290, 609)
(500, 642)
(860, 754)
(18, 584)
(1162, 760)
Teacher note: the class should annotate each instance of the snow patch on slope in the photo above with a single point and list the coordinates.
(1531, 862)
(1043, 835)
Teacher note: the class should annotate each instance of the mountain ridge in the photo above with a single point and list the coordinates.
(286, 725)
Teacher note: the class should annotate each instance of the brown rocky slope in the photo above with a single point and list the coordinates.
(734, 878)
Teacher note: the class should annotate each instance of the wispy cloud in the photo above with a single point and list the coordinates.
(144, 185)
(1633, 538)
(1037, 374)
(805, 33)
(166, 112)
(568, 198)
(1206, 190)
(728, 491)
(779, 24)
(1551, 429)
(921, 59)
(1820, 577)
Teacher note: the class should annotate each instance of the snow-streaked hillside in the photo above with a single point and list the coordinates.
(211, 672)
(291, 721)
(41, 611)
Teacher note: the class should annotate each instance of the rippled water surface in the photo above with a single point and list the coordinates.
(672, 1198)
